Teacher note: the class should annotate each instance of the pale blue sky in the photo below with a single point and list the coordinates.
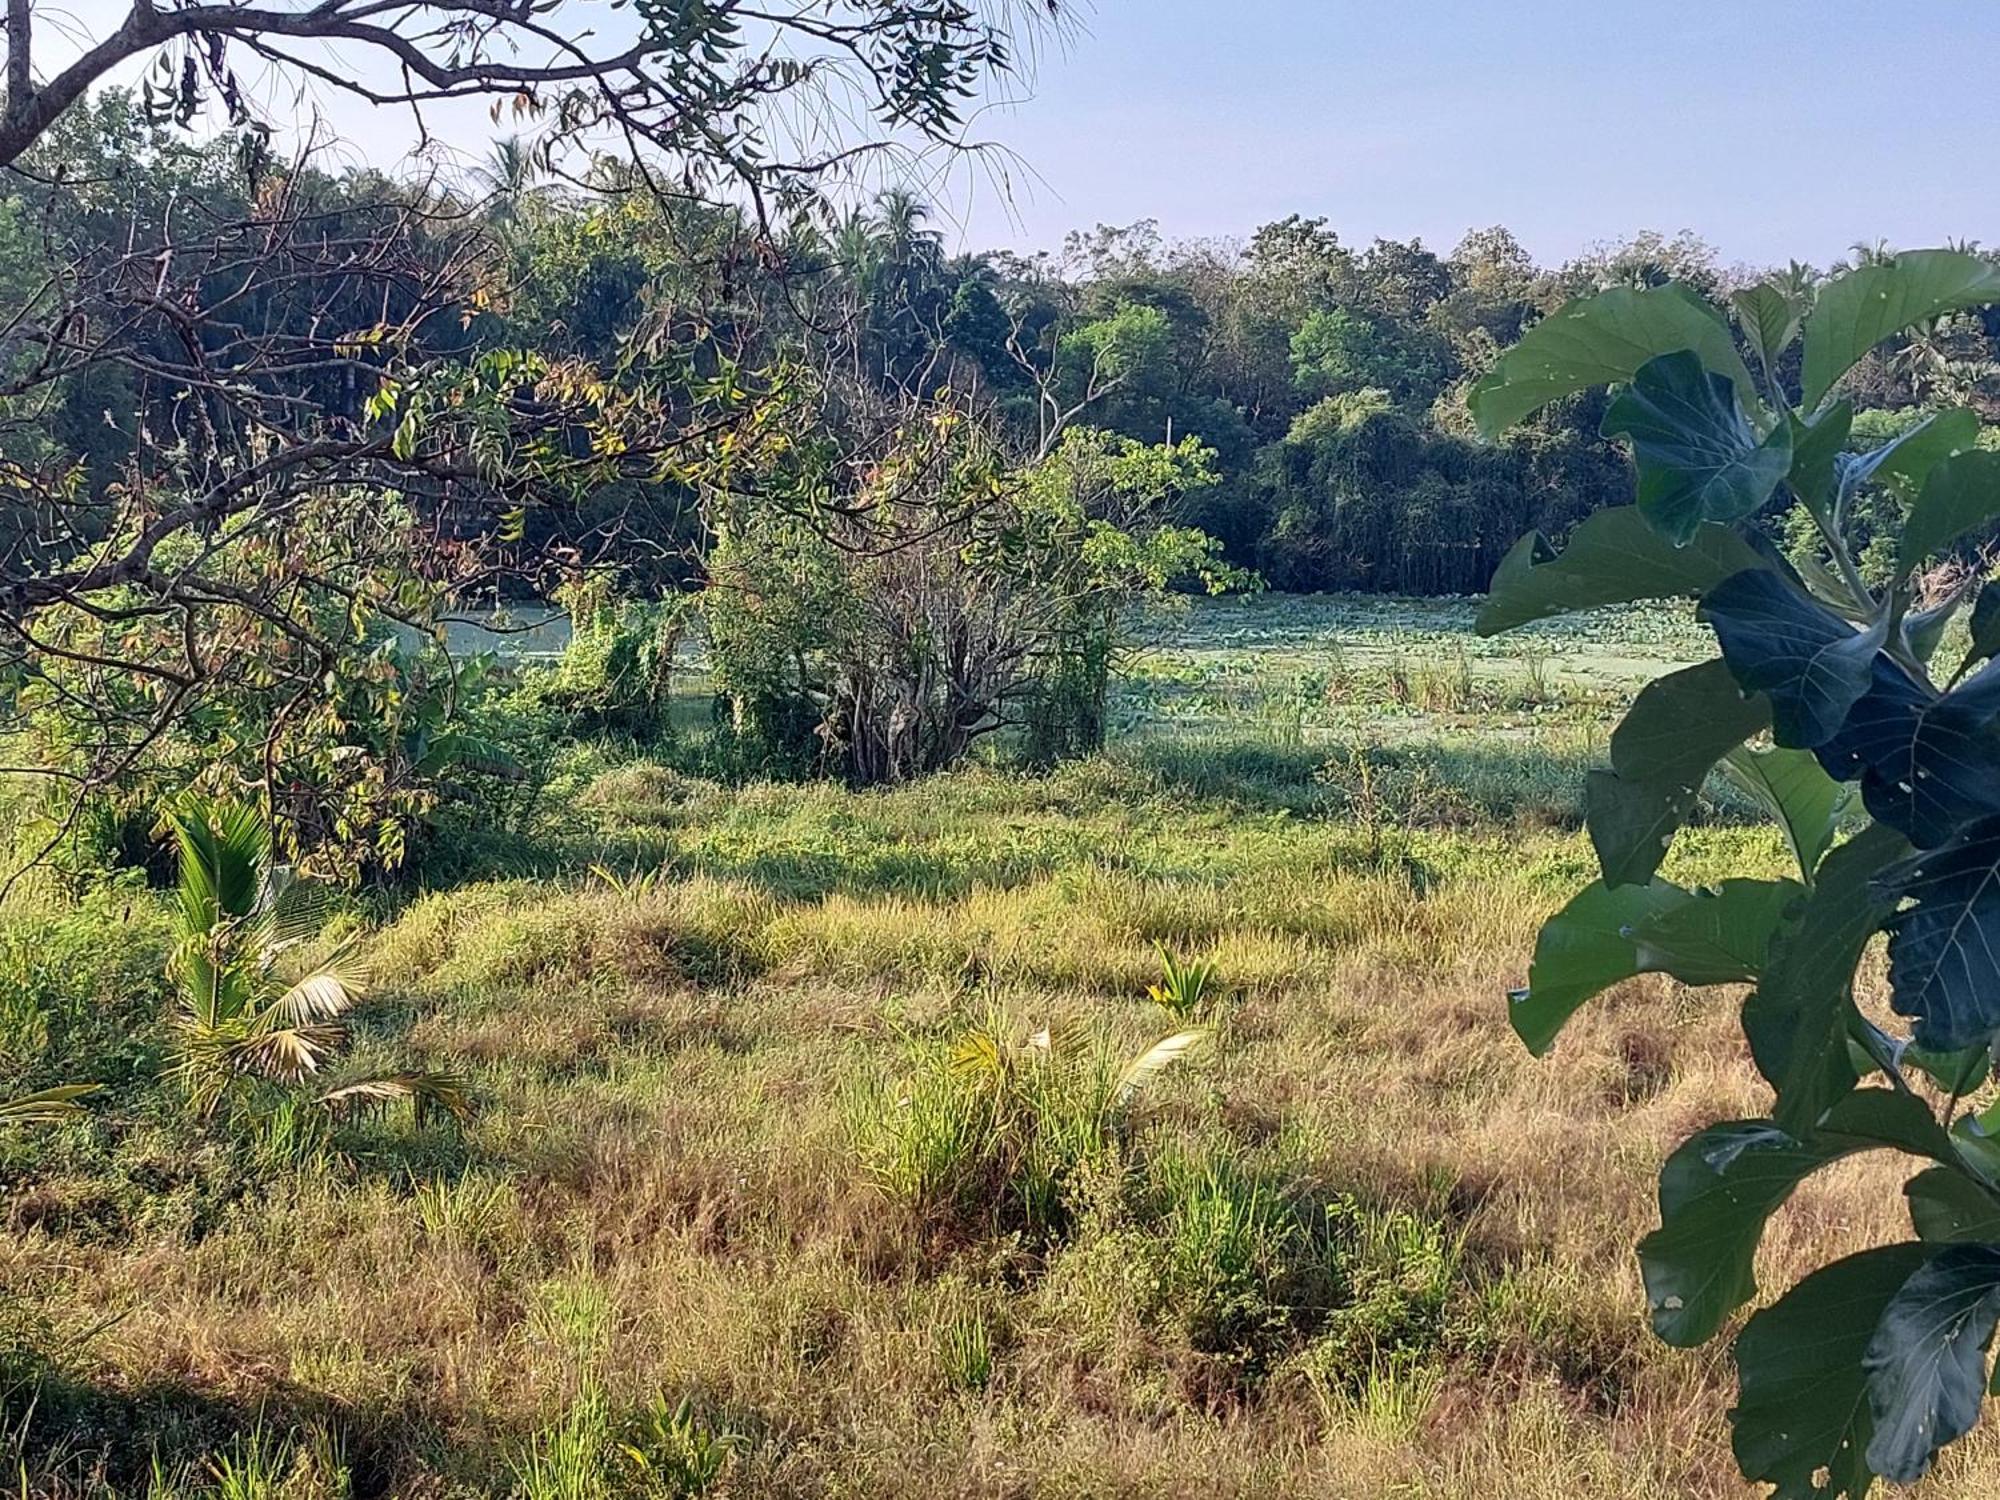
(1773, 128)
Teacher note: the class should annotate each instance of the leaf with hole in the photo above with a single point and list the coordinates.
(1722, 1185)
(1926, 1363)
(1802, 1421)
(1928, 762)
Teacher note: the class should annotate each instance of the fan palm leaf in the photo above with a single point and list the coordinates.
(46, 1106)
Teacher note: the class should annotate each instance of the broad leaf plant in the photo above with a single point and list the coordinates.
(1834, 703)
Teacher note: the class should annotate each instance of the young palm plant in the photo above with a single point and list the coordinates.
(261, 999)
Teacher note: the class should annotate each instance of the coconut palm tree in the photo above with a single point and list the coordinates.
(261, 999)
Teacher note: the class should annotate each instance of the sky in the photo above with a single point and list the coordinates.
(1774, 129)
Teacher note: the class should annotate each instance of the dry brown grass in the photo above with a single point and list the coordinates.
(662, 1192)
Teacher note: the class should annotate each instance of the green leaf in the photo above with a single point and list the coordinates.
(1719, 1189)
(1679, 727)
(1583, 950)
(1805, 800)
(1961, 494)
(1603, 340)
(1929, 763)
(1985, 626)
(1769, 316)
(1613, 557)
(1855, 312)
(1910, 456)
(1683, 722)
(1815, 447)
(1944, 950)
(1699, 459)
(1778, 641)
(1797, 1019)
(1947, 1206)
(1632, 823)
(1802, 1421)
(1718, 936)
(1926, 1363)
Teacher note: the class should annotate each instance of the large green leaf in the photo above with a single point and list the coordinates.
(1581, 951)
(1602, 340)
(1613, 557)
(1909, 457)
(1699, 459)
(1797, 1020)
(1947, 1206)
(1928, 763)
(1802, 1421)
(1961, 494)
(1717, 936)
(1855, 312)
(1944, 949)
(1769, 314)
(1816, 446)
(1719, 1189)
(1926, 1363)
(1679, 727)
(1813, 665)
(1611, 933)
(1805, 800)
(1632, 823)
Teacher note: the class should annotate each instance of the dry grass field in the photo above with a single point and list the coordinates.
(810, 1160)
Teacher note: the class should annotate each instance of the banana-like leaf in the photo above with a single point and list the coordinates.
(46, 1106)
(1155, 1060)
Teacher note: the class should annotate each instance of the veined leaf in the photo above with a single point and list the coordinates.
(1613, 557)
(1722, 1185)
(1985, 626)
(1944, 951)
(1805, 800)
(1632, 823)
(1797, 1019)
(1602, 340)
(1928, 763)
(1813, 665)
(1855, 312)
(1770, 316)
(1699, 460)
(1961, 494)
(1926, 1363)
(1802, 1421)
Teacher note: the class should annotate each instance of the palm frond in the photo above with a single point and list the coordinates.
(430, 1094)
(289, 1053)
(1155, 1060)
(46, 1106)
(223, 849)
